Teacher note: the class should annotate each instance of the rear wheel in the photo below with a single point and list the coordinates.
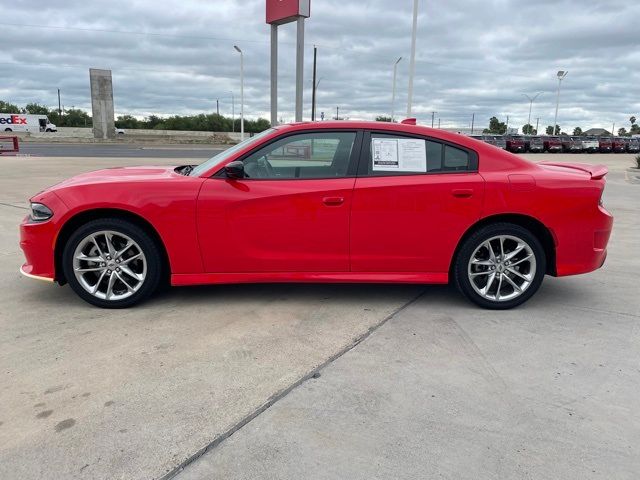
(500, 266)
(112, 263)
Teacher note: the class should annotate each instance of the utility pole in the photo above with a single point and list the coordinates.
(433, 116)
(473, 118)
(412, 63)
(613, 129)
(241, 91)
(218, 106)
(337, 113)
(59, 109)
(313, 92)
(507, 129)
(531, 100)
(537, 122)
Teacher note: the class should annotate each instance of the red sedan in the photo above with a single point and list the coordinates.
(324, 202)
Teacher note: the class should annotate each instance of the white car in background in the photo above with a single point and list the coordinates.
(119, 131)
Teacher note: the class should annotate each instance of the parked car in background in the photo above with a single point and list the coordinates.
(590, 144)
(633, 145)
(535, 144)
(274, 209)
(571, 144)
(618, 144)
(552, 144)
(605, 144)
(515, 144)
(119, 131)
(495, 140)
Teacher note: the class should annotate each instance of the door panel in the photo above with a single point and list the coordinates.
(275, 225)
(412, 223)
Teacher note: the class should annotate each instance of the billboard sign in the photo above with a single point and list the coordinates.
(284, 11)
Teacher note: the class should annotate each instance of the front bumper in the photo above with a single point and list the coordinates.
(37, 241)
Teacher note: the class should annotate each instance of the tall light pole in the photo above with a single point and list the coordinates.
(531, 100)
(314, 85)
(561, 74)
(393, 89)
(233, 112)
(412, 63)
(241, 92)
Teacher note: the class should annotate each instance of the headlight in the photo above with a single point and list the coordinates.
(40, 212)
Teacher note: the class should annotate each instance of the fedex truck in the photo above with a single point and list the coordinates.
(22, 122)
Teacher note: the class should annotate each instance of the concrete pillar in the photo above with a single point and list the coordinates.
(102, 103)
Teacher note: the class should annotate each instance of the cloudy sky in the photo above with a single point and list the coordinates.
(177, 57)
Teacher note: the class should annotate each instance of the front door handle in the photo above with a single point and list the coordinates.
(462, 192)
(333, 201)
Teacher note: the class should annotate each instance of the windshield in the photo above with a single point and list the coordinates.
(224, 155)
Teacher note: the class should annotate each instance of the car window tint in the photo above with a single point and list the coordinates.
(455, 159)
(306, 155)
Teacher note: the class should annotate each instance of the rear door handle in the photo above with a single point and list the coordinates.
(333, 201)
(462, 192)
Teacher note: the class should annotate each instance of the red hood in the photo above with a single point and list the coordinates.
(120, 174)
(595, 171)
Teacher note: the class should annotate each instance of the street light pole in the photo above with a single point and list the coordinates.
(241, 92)
(393, 89)
(561, 74)
(313, 92)
(412, 63)
(433, 116)
(233, 112)
(531, 100)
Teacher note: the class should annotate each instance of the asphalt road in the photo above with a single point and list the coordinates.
(415, 382)
(115, 150)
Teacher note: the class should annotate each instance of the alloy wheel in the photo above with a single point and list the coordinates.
(109, 265)
(502, 268)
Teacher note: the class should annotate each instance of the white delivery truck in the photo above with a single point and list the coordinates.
(22, 122)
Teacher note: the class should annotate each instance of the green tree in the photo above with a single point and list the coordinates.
(496, 126)
(528, 129)
(549, 130)
(36, 109)
(383, 118)
(127, 121)
(632, 120)
(635, 129)
(577, 131)
(622, 132)
(74, 117)
(6, 107)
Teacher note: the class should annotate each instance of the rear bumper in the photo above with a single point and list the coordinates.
(584, 249)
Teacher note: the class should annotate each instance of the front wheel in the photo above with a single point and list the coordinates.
(112, 263)
(500, 266)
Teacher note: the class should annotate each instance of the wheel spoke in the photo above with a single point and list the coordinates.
(517, 250)
(95, 242)
(84, 258)
(492, 255)
(121, 278)
(515, 272)
(515, 286)
(501, 250)
(513, 264)
(487, 263)
(499, 285)
(89, 269)
(131, 273)
(475, 274)
(119, 253)
(109, 240)
(489, 283)
(97, 285)
(131, 258)
(112, 280)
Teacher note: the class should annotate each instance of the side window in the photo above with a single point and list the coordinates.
(305, 155)
(397, 155)
(455, 159)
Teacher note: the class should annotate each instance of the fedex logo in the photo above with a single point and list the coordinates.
(13, 120)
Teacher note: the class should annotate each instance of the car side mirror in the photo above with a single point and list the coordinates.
(234, 169)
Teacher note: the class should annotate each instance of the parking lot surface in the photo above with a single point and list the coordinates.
(434, 387)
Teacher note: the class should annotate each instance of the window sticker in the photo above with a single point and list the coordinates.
(399, 155)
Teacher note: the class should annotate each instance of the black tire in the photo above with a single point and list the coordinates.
(154, 267)
(467, 249)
